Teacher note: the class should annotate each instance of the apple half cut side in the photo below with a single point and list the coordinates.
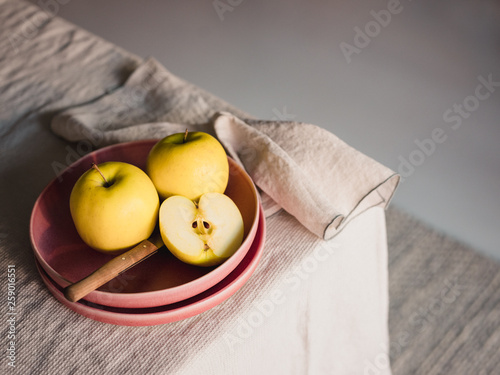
(203, 233)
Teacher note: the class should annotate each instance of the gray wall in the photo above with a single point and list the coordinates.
(413, 81)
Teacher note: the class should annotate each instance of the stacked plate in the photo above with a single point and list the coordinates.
(159, 290)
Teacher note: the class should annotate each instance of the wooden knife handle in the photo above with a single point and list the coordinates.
(110, 270)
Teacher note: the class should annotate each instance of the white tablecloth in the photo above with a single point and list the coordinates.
(290, 329)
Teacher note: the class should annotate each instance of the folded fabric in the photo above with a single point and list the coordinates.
(301, 168)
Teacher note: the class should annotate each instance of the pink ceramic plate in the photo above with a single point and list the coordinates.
(174, 312)
(159, 280)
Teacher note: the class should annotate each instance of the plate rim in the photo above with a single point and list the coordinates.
(137, 299)
(168, 316)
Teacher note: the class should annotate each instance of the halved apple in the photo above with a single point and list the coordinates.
(203, 233)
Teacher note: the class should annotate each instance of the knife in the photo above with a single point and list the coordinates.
(113, 268)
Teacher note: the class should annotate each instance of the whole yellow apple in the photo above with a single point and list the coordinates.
(204, 233)
(188, 164)
(114, 206)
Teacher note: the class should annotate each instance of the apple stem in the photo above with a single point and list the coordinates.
(185, 136)
(106, 183)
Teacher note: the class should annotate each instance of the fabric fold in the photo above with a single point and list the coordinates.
(299, 167)
(307, 170)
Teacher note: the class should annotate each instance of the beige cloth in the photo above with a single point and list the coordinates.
(302, 168)
(335, 318)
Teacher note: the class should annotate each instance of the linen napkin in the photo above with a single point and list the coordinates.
(299, 167)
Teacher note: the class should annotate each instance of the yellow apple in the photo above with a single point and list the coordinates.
(188, 164)
(114, 206)
(204, 233)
